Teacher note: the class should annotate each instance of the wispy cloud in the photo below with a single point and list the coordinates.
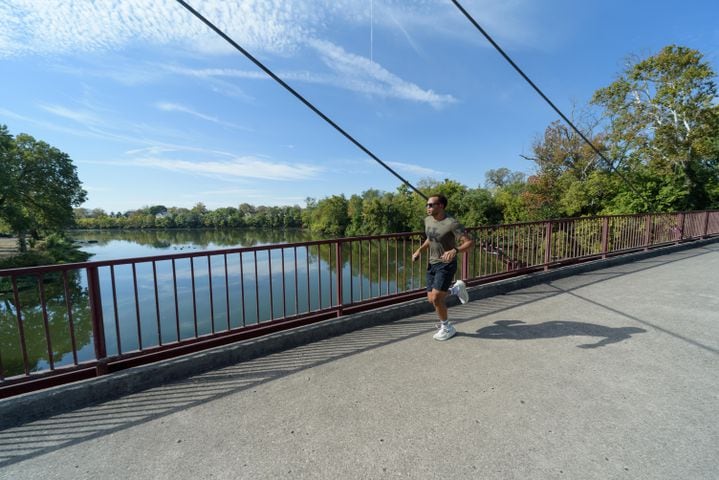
(349, 71)
(62, 26)
(277, 26)
(238, 168)
(176, 107)
(363, 75)
(415, 169)
(80, 116)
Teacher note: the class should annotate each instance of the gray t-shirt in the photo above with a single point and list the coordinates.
(443, 236)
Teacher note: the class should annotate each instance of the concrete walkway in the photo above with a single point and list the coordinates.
(610, 374)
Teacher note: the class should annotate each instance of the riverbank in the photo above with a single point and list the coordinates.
(8, 247)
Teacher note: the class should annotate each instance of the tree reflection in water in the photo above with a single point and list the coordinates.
(60, 328)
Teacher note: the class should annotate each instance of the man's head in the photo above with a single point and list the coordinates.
(436, 203)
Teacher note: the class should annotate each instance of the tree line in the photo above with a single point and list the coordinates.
(654, 134)
(199, 216)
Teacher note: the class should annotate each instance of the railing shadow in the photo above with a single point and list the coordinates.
(54, 433)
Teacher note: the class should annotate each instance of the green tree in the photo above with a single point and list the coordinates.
(663, 130)
(328, 216)
(38, 188)
(565, 164)
(500, 177)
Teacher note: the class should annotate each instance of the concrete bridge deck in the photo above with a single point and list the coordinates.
(607, 374)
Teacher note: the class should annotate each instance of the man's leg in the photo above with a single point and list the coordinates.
(438, 279)
(437, 298)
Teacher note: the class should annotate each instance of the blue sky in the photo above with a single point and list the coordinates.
(154, 108)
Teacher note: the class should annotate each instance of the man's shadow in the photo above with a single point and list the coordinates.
(518, 330)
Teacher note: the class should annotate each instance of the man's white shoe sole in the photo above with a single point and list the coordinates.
(462, 291)
(446, 336)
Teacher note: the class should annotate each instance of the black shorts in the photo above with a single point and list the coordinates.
(440, 275)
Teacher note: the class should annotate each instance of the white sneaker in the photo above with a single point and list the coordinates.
(445, 332)
(460, 289)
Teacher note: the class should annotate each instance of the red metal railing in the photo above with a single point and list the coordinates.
(61, 323)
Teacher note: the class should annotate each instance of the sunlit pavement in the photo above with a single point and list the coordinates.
(602, 375)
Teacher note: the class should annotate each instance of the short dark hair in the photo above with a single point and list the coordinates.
(441, 199)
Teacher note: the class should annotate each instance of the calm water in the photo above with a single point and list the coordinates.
(111, 244)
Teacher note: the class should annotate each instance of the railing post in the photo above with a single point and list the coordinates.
(548, 245)
(605, 236)
(465, 265)
(706, 225)
(98, 329)
(680, 223)
(648, 231)
(338, 270)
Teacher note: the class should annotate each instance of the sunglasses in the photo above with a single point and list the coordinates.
(435, 204)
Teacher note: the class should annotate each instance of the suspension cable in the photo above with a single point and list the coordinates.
(564, 117)
(297, 95)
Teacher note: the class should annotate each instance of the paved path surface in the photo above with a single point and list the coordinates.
(604, 375)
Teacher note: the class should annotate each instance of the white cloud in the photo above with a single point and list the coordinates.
(238, 168)
(350, 72)
(79, 116)
(63, 26)
(414, 169)
(360, 74)
(47, 27)
(175, 107)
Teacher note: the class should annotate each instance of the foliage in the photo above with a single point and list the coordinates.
(660, 131)
(159, 216)
(38, 188)
(663, 130)
(328, 216)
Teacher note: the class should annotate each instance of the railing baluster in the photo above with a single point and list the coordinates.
(297, 293)
(338, 266)
(177, 303)
(269, 271)
(352, 283)
(307, 269)
(212, 298)
(548, 245)
(98, 328)
(284, 291)
(137, 307)
(379, 267)
(242, 290)
(157, 304)
(194, 295)
(319, 275)
(330, 283)
(118, 339)
(20, 326)
(361, 259)
(45, 323)
(404, 265)
(227, 294)
(257, 289)
(70, 320)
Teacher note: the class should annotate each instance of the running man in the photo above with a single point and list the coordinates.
(443, 234)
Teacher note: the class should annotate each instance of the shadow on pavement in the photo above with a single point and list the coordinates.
(518, 330)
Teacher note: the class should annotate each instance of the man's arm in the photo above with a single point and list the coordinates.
(423, 247)
(465, 244)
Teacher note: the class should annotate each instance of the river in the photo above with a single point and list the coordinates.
(116, 244)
